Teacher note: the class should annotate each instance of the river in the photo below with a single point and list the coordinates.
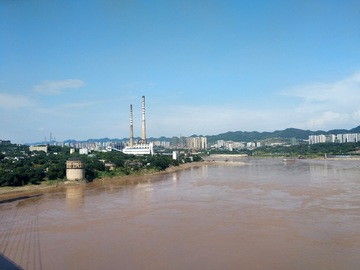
(265, 214)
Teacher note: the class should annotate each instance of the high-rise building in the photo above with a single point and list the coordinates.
(203, 143)
(220, 143)
(293, 141)
(182, 142)
(196, 143)
(175, 141)
(339, 138)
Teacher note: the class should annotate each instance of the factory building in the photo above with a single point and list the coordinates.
(142, 147)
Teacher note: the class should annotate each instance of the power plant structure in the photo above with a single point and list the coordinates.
(141, 147)
(131, 128)
(143, 137)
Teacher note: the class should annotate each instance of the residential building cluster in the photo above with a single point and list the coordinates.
(5, 142)
(162, 144)
(198, 143)
(195, 143)
(339, 138)
(231, 145)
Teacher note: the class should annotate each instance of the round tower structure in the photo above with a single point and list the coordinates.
(75, 169)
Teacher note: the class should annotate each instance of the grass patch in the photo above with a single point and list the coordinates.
(111, 174)
(54, 182)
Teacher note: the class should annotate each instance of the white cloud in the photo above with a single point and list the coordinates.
(320, 106)
(328, 105)
(80, 104)
(90, 103)
(138, 86)
(12, 102)
(56, 87)
(345, 92)
(177, 94)
(325, 118)
(151, 85)
(56, 113)
(207, 120)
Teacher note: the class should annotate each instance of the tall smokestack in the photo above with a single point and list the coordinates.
(143, 137)
(131, 128)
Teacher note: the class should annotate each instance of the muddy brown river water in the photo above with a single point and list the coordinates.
(263, 215)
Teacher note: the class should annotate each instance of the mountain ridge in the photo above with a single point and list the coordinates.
(237, 136)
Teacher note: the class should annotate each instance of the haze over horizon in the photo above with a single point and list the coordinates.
(72, 68)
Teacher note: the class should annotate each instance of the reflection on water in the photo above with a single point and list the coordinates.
(204, 171)
(175, 177)
(263, 215)
(144, 189)
(75, 196)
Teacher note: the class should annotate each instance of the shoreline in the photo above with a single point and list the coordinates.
(282, 157)
(136, 178)
(229, 155)
(125, 179)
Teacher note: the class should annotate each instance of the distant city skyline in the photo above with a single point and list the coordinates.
(205, 67)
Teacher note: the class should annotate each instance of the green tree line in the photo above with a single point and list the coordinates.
(34, 167)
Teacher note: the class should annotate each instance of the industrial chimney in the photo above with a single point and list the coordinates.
(131, 128)
(143, 137)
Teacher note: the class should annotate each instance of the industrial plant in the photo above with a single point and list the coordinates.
(141, 147)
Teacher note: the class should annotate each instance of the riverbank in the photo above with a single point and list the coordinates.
(228, 155)
(125, 179)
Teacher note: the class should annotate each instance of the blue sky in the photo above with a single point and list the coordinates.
(206, 67)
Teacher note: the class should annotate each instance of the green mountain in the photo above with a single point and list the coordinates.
(244, 136)
(355, 130)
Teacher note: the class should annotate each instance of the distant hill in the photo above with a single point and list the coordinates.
(244, 136)
(162, 138)
(238, 136)
(355, 130)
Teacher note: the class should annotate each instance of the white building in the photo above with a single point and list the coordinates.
(176, 155)
(238, 145)
(341, 138)
(165, 144)
(38, 148)
(83, 151)
(197, 143)
(220, 143)
(140, 149)
(330, 138)
(250, 144)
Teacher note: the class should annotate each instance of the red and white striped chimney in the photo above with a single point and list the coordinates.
(143, 137)
(131, 128)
